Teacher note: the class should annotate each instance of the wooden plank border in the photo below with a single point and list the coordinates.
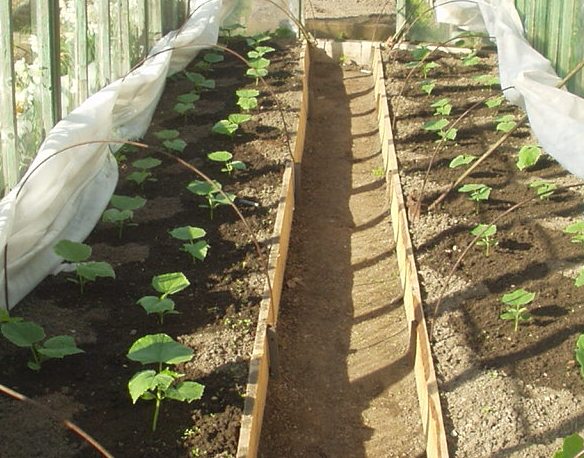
(259, 366)
(427, 387)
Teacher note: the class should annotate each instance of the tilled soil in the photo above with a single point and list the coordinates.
(505, 393)
(218, 311)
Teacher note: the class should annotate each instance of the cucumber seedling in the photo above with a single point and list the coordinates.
(201, 83)
(471, 60)
(487, 80)
(212, 193)
(161, 384)
(494, 102)
(230, 125)
(579, 353)
(461, 160)
(122, 212)
(257, 39)
(505, 123)
(197, 250)
(247, 98)
(528, 156)
(543, 189)
(143, 173)
(28, 334)
(442, 107)
(516, 311)
(576, 230)
(258, 68)
(166, 285)
(486, 234)
(226, 158)
(477, 192)
(428, 86)
(186, 103)
(438, 126)
(77, 254)
(171, 140)
(572, 446)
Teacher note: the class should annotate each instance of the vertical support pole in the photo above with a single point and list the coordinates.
(154, 21)
(8, 126)
(46, 28)
(124, 37)
(103, 43)
(400, 15)
(80, 60)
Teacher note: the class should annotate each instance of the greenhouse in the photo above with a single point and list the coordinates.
(278, 228)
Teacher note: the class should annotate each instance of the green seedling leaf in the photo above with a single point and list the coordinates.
(220, 156)
(188, 233)
(186, 392)
(161, 307)
(580, 354)
(486, 234)
(449, 134)
(257, 39)
(515, 301)
(139, 177)
(579, 279)
(182, 108)
(188, 98)
(170, 283)
(200, 81)
(426, 68)
(487, 80)
(518, 297)
(572, 446)
(238, 118)
(140, 384)
(203, 188)
(147, 163)
(89, 271)
(23, 334)
(442, 107)
(115, 216)
(225, 127)
(495, 102)
(197, 250)
(72, 251)
(213, 58)
(435, 125)
(461, 160)
(577, 230)
(235, 165)
(471, 60)
(247, 93)
(428, 86)
(168, 134)
(59, 347)
(247, 103)
(177, 145)
(419, 53)
(528, 156)
(159, 349)
(505, 123)
(543, 189)
(127, 202)
(256, 72)
(476, 191)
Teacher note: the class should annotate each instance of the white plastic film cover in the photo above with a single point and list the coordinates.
(62, 196)
(556, 116)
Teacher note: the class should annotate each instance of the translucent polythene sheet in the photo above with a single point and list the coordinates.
(555, 115)
(62, 196)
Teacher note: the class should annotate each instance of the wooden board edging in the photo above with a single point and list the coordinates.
(426, 384)
(259, 366)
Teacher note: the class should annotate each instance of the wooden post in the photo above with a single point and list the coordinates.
(103, 43)
(46, 27)
(80, 51)
(8, 132)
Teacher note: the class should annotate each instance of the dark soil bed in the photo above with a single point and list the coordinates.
(505, 393)
(217, 313)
